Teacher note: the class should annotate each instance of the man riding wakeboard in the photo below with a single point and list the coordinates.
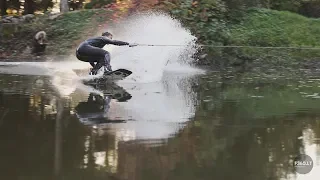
(91, 50)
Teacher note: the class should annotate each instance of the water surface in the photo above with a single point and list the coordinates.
(213, 126)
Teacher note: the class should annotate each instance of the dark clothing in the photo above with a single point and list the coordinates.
(88, 53)
(91, 51)
(101, 41)
(38, 48)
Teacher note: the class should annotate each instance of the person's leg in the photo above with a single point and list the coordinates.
(97, 67)
(101, 56)
(88, 59)
(92, 63)
(103, 62)
(107, 61)
(92, 55)
(85, 58)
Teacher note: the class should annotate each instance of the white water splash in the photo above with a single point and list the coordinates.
(149, 62)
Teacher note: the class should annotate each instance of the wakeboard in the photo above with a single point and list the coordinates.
(112, 76)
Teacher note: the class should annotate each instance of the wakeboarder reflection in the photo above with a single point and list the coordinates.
(95, 110)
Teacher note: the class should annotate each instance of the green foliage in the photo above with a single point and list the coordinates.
(262, 27)
(62, 32)
(230, 22)
(273, 28)
(71, 26)
(205, 19)
(305, 7)
(286, 5)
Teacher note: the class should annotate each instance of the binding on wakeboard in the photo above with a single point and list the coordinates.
(111, 76)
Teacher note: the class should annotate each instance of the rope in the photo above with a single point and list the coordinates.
(260, 47)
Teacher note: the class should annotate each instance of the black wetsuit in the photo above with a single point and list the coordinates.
(91, 51)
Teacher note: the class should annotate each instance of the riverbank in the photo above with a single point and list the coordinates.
(256, 27)
(268, 28)
(64, 33)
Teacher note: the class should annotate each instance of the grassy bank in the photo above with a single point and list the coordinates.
(262, 27)
(256, 27)
(64, 33)
(271, 28)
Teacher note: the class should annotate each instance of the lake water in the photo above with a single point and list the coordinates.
(207, 126)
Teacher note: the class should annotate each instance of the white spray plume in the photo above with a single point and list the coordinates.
(149, 62)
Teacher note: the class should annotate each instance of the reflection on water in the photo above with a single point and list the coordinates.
(184, 127)
(88, 127)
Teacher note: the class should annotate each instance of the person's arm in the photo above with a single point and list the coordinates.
(120, 43)
(114, 42)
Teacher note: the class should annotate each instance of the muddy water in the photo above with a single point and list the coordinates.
(211, 126)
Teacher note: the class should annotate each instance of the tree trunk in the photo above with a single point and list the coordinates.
(64, 7)
(16, 5)
(45, 5)
(3, 5)
(29, 7)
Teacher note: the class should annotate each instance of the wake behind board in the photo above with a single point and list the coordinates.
(112, 76)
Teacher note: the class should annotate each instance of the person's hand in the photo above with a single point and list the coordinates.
(133, 44)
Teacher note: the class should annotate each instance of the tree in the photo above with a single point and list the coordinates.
(14, 4)
(3, 5)
(64, 7)
(29, 7)
(45, 4)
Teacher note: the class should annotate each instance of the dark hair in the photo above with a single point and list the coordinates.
(106, 34)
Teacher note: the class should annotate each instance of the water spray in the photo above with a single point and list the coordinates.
(147, 63)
